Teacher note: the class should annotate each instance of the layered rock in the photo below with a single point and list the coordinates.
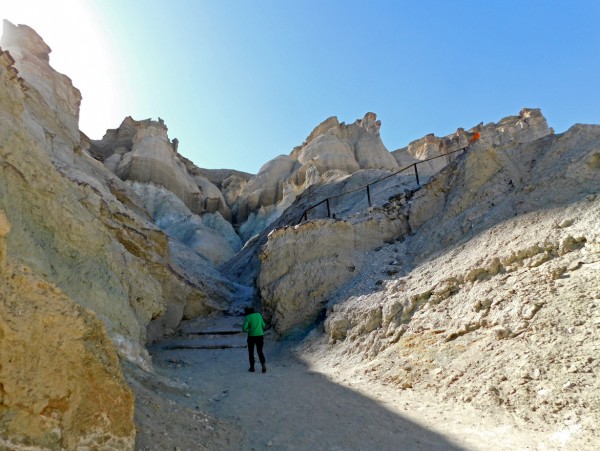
(486, 172)
(210, 235)
(141, 151)
(61, 384)
(333, 145)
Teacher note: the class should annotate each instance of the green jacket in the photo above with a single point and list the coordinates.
(254, 324)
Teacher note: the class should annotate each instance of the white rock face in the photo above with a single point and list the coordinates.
(141, 151)
(348, 148)
(211, 198)
(209, 235)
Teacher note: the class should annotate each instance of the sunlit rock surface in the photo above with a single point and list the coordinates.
(333, 150)
(492, 299)
(480, 286)
(141, 151)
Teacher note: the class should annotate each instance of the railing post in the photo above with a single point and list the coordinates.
(305, 215)
(417, 174)
(369, 195)
(328, 209)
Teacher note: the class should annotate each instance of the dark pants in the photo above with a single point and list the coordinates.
(258, 341)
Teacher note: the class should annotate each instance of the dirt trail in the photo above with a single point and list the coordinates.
(203, 397)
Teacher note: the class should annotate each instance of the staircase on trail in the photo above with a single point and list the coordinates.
(214, 332)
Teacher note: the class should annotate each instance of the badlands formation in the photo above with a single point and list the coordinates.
(478, 285)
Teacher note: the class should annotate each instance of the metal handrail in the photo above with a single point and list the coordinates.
(367, 186)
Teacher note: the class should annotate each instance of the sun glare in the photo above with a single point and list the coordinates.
(82, 50)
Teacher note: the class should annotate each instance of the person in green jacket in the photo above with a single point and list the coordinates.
(254, 324)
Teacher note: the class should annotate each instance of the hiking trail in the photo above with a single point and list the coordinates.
(302, 402)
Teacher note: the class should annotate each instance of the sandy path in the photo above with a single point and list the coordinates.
(297, 405)
(291, 407)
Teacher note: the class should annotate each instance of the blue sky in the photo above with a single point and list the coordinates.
(240, 82)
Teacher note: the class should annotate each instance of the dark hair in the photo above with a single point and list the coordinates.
(248, 310)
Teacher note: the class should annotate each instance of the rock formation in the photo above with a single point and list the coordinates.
(482, 284)
(491, 179)
(140, 152)
(61, 386)
(332, 150)
(302, 265)
(492, 297)
(210, 235)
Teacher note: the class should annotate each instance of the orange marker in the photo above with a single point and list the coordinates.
(475, 137)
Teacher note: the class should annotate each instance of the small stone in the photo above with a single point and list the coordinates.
(568, 385)
(566, 223)
(501, 332)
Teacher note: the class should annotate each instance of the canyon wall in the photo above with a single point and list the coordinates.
(78, 225)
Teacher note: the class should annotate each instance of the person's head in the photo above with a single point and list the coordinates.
(248, 310)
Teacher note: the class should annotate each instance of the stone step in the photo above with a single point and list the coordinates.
(202, 342)
(220, 325)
